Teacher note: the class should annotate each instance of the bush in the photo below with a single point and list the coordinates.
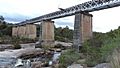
(5, 39)
(16, 42)
(68, 57)
(27, 40)
(59, 38)
(99, 49)
(92, 53)
(108, 48)
(16, 46)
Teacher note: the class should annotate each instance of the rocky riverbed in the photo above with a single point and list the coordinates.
(31, 57)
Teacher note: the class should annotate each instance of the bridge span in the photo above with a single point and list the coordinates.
(89, 6)
(82, 23)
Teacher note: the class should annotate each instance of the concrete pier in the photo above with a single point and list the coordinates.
(47, 33)
(82, 29)
(14, 31)
(21, 31)
(26, 31)
(31, 31)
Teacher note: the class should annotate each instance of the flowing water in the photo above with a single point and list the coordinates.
(9, 62)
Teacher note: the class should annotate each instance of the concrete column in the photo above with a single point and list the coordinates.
(26, 31)
(14, 31)
(21, 31)
(47, 33)
(30, 31)
(82, 28)
(18, 31)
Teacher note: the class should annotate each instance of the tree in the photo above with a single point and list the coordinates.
(5, 28)
(1, 18)
(63, 34)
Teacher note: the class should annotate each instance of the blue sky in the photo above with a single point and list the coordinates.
(16, 11)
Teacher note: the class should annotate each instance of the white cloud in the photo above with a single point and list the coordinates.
(34, 7)
(103, 20)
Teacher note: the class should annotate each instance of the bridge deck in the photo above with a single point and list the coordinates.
(89, 6)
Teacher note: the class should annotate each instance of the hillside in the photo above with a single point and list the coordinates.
(101, 47)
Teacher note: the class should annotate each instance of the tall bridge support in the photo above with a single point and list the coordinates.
(82, 29)
(21, 31)
(47, 33)
(14, 31)
(30, 31)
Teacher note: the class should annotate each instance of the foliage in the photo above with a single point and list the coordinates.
(99, 49)
(5, 28)
(1, 18)
(63, 34)
(27, 40)
(91, 52)
(5, 39)
(68, 58)
(15, 42)
(60, 38)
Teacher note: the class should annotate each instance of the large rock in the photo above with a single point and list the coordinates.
(115, 58)
(103, 65)
(75, 66)
(36, 65)
(63, 43)
(28, 45)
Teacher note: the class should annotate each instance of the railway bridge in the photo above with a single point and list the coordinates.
(82, 22)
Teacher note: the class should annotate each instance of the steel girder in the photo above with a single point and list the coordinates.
(89, 6)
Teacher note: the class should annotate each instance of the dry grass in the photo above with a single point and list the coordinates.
(115, 59)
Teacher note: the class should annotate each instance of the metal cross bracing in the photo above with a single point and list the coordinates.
(89, 6)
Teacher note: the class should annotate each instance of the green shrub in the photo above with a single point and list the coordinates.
(16, 42)
(108, 48)
(5, 39)
(99, 49)
(92, 53)
(16, 46)
(27, 40)
(68, 57)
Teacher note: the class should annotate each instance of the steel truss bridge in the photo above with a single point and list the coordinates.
(89, 6)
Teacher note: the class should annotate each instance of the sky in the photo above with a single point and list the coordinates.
(15, 11)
